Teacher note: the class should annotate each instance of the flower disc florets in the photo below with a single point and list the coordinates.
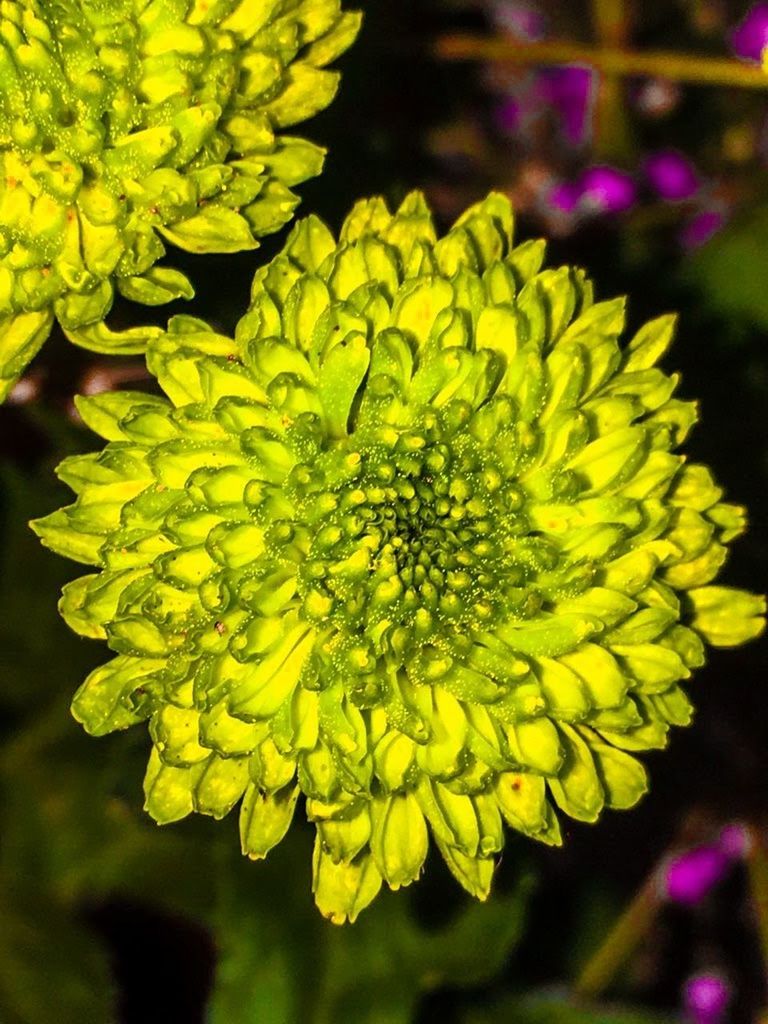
(415, 544)
(410, 540)
(124, 121)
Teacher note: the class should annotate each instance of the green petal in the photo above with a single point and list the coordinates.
(343, 890)
(399, 839)
(103, 702)
(157, 286)
(21, 338)
(727, 617)
(265, 818)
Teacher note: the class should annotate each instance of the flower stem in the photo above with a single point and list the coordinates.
(757, 867)
(620, 941)
(679, 67)
(613, 137)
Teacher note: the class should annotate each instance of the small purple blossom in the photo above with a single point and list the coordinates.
(570, 91)
(607, 190)
(701, 228)
(509, 116)
(690, 877)
(734, 841)
(520, 20)
(706, 998)
(750, 37)
(671, 175)
(565, 196)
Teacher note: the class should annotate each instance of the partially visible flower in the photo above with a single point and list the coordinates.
(735, 841)
(416, 544)
(565, 92)
(521, 20)
(702, 227)
(565, 196)
(123, 124)
(706, 998)
(606, 189)
(598, 191)
(692, 875)
(671, 175)
(570, 91)
(750, 37)
(689, 877)
(509, 115)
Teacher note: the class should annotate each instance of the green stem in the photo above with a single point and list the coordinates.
(620, 942)
(678, 67)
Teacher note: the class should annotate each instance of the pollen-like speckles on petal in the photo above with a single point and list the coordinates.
(416, 546)
(126, 123)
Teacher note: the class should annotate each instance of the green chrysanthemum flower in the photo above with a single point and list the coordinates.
(415, 545)
(122, 121)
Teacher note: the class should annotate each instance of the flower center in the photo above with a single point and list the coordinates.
(410, 543)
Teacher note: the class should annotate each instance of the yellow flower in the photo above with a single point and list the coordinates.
(123, 123)
(417, 545)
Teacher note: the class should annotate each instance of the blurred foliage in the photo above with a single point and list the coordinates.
(547, 1009)
(372, 973)
(730, 273)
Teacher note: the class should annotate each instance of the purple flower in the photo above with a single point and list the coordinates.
(607, 190)
(671, 175)
(570, 90)
(520, 20)
(690, 877)
(706, 998)
(701, 228)
(509, 116)
(734, 841)
(750, 37)
(565, 196)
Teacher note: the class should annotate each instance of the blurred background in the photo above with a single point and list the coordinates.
(635, 136)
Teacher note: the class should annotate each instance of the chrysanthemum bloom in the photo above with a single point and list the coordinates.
(125, 122)
(416, 545)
